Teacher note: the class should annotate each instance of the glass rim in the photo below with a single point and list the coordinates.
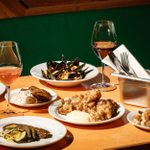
(2, 43)
(103, 20)
(107, 20)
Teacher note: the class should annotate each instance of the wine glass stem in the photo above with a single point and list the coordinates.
(103, 72)
(8, 98)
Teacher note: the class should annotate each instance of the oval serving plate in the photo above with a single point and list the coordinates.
(56, 128)
(36, 72)
(15, 91)
(53, 111)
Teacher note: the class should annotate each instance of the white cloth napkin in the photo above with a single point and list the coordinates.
(136, 66)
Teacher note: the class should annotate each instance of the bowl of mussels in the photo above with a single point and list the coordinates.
(64, 73)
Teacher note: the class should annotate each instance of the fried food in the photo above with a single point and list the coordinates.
(40, 94)
(142, 118)
(31, 95)
(31, 100)
(91, 103)
(105, 109)
(81, 102)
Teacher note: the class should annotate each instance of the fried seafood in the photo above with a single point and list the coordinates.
(105, 109)
(91, 103)
(81, 102)
(142, 118)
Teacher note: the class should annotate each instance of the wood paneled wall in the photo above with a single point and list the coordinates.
(16, 8)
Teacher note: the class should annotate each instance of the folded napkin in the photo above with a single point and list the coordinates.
(123, 62)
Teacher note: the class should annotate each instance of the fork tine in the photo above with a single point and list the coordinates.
(124, 58)
(126, 64)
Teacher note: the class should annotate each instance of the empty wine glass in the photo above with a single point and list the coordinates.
(103, 41)
(10, 69)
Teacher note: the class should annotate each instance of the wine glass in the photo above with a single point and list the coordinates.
(103, 41)
(10, 69)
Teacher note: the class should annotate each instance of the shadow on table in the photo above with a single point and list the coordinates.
(66, 141)
(139, 147)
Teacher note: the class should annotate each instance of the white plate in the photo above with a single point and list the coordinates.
(130, 119)
(53, 111)
(15, 91)
(36, 72)
(2, 88)
(57, 129)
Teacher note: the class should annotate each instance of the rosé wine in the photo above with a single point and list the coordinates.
(8, 74)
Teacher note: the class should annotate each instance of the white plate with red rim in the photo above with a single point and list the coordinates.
(130, 117)
(36, 72)
(16, 91)
(57, 130)
(2, 88)
(53, 112)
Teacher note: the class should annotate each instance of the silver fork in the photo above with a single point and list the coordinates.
(118, 64)
(126, 64)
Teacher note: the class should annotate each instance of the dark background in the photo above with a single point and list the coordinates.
(46, 37)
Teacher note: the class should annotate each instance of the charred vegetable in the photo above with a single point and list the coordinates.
(64, 70)
(20, 133)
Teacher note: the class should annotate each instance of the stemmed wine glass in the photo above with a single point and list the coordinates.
(103, 41)
(10, 69)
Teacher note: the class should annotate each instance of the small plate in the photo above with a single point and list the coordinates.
(36, 72)
(130, 119)
(53, 111)
(15, 91)
(2, 88)
(57, 129)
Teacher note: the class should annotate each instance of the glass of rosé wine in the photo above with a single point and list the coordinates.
(103, 42)
(10, 69)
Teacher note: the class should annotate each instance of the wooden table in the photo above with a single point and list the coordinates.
(114, 135)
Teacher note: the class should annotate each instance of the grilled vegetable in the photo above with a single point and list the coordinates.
(19, 136)
(13, 133)
(64, 70)
(21, 133)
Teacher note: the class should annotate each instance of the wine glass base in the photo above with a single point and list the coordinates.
(103, 86)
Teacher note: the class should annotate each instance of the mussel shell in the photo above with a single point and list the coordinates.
(65, 70)
(51, 64)
(84, 73)
(74, 75)
(51, 76)
(79, 68)
(63, 59)
(75, 62)
(56, 73)
(60, 66)
(44, 73)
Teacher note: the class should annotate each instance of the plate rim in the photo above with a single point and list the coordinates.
(36, 143)
(89, 123)
(2, 88)
(130, 116)
(33, 105)
(62, 81)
